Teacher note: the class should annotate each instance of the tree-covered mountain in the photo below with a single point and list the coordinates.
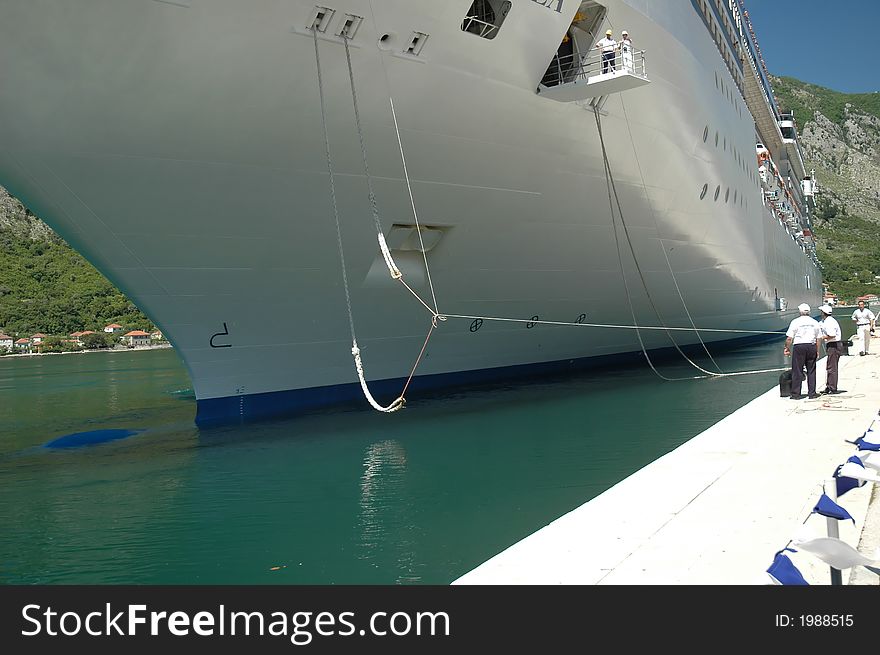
(840, 135)
(46, 286)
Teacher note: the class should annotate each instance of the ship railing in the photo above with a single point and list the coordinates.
(479, 27)
(594, 64)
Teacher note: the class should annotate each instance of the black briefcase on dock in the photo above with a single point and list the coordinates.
(785, 384)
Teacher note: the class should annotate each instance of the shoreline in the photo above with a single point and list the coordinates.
(83, 352)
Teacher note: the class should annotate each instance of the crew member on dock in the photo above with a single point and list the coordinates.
(804, 332)
(833, 344)
(864, 319)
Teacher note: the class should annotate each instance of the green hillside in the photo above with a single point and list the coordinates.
(806, 99)
(45, 286)
(840, 135)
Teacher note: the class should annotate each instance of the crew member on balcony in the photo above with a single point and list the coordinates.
(607, 46)
(864, 319)
(626, 51)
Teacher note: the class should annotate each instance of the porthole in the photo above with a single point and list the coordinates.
(725, 144)
(735, 194)
(705, 133)
(387, 42)
(727, 194)
(716, 79)
(717, 191)
(703, 192)
(716, 139)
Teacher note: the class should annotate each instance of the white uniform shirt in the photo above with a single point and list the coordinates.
(626, 44)
(606, 44)
(863, 316)
(830, 328)
(804, 329)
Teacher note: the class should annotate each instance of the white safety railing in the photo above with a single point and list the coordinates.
(582, 66)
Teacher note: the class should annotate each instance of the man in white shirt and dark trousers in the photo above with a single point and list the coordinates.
(833, 345)
(802, 343)
(864, 319)
(608, 46)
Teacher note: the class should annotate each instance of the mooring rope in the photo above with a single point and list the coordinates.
(610, 178)
(436, 314)
(621, 326)
(609, 183)
(383, 246)
(665, 255)
(355, 350)
(412, 201)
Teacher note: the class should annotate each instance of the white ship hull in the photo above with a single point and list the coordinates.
(178, 146)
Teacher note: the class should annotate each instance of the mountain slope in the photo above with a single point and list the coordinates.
(840, 135)
(46, 286)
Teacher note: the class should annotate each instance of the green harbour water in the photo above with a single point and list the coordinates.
(337, 497)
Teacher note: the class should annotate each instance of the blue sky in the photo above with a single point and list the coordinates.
(799, 38)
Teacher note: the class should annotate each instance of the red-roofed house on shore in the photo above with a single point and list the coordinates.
(136, 338)
(23, 344)
(6, 342)
(113, 328)
(37, 341)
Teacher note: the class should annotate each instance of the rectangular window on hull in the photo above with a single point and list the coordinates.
(321, 17)
(485, 17)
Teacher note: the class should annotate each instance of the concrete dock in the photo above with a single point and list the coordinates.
(717, 509)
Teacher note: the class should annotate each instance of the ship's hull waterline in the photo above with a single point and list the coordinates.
(179, 147)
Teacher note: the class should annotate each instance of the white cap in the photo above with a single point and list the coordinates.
(825, 309)
(624, 32)
(804, 308)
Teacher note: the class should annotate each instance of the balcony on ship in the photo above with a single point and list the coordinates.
(580, 76)
(788, 129)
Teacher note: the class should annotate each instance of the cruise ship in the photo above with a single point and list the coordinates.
(236, 168)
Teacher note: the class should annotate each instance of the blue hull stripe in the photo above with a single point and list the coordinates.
(232, 409)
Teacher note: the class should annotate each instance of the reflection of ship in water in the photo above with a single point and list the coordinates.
(386, 519)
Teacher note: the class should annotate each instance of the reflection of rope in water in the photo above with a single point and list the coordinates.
(385, 520)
